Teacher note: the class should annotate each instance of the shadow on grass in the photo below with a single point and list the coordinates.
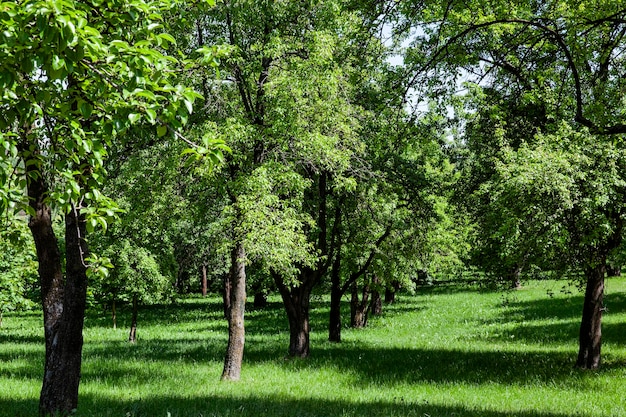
(556, 320)
(275, 406)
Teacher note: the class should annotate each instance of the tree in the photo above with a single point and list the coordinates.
(291, 130)
(565, 194)
(136, 278)
(75, 76)
(559, 58)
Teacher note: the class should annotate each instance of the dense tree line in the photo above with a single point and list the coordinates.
(276, 146)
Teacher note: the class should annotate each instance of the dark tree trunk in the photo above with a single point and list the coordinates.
(236, 329)
(376, 305)
(334, 326)
(336, 292)
(205, 284)
(64, 325)
(590, 339)
(63, 301)
(613, 271)
(515, 277)
(390, 292)
(114, 313)
(132, 335)
(359, 309)
(296, 300)
(260, 299)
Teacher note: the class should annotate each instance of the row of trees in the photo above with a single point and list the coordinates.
(286, 152)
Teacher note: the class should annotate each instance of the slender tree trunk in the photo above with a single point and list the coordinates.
(114, 313)
(236, 329)
(590, 339)
(205, 284)
(514, 277)
(359, 308)
(334, 325)
(376, 305)
(132, 335)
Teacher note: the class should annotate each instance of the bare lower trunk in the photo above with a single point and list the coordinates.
(236, 329)
(390, 292)
(205, 284)
(376, 305)
(114, 313)
(297, 303)
(359, 309)
(132, 335)
(260, 299)
(334, 324)
(64, 311)
(515, 277)
(590, 338)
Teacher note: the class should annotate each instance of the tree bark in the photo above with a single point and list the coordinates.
(260, 299)
(236, 311)
(390, 296)
(132, 335)
(296, 300)
(114, 313)
(63, 301)
(590, 338)
(359, 309)
(336, 293)
(376, 305)
(205, 284)
(514, 277)
(64, 313)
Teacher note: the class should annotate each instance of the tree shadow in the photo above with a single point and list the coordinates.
(561, 320)
(275, 406)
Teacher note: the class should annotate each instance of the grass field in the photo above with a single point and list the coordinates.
(445, 351)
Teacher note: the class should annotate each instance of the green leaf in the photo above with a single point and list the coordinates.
(161, 131)
(134, 117)
(85, 108)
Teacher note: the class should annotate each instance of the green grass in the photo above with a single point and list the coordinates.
(450, 351)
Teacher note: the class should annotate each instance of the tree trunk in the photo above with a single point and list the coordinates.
(64, 310)
(390, 292)
(114, 313)
(514, 277)
(236, 329)
(613, 271)
(334, 324)
(376, 305)
(132, 335)
(359, 308)
(205, 284)
(260, 299)
(296, 300)
(590, 339)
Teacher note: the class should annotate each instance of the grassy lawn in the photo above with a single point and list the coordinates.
(448, 351)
